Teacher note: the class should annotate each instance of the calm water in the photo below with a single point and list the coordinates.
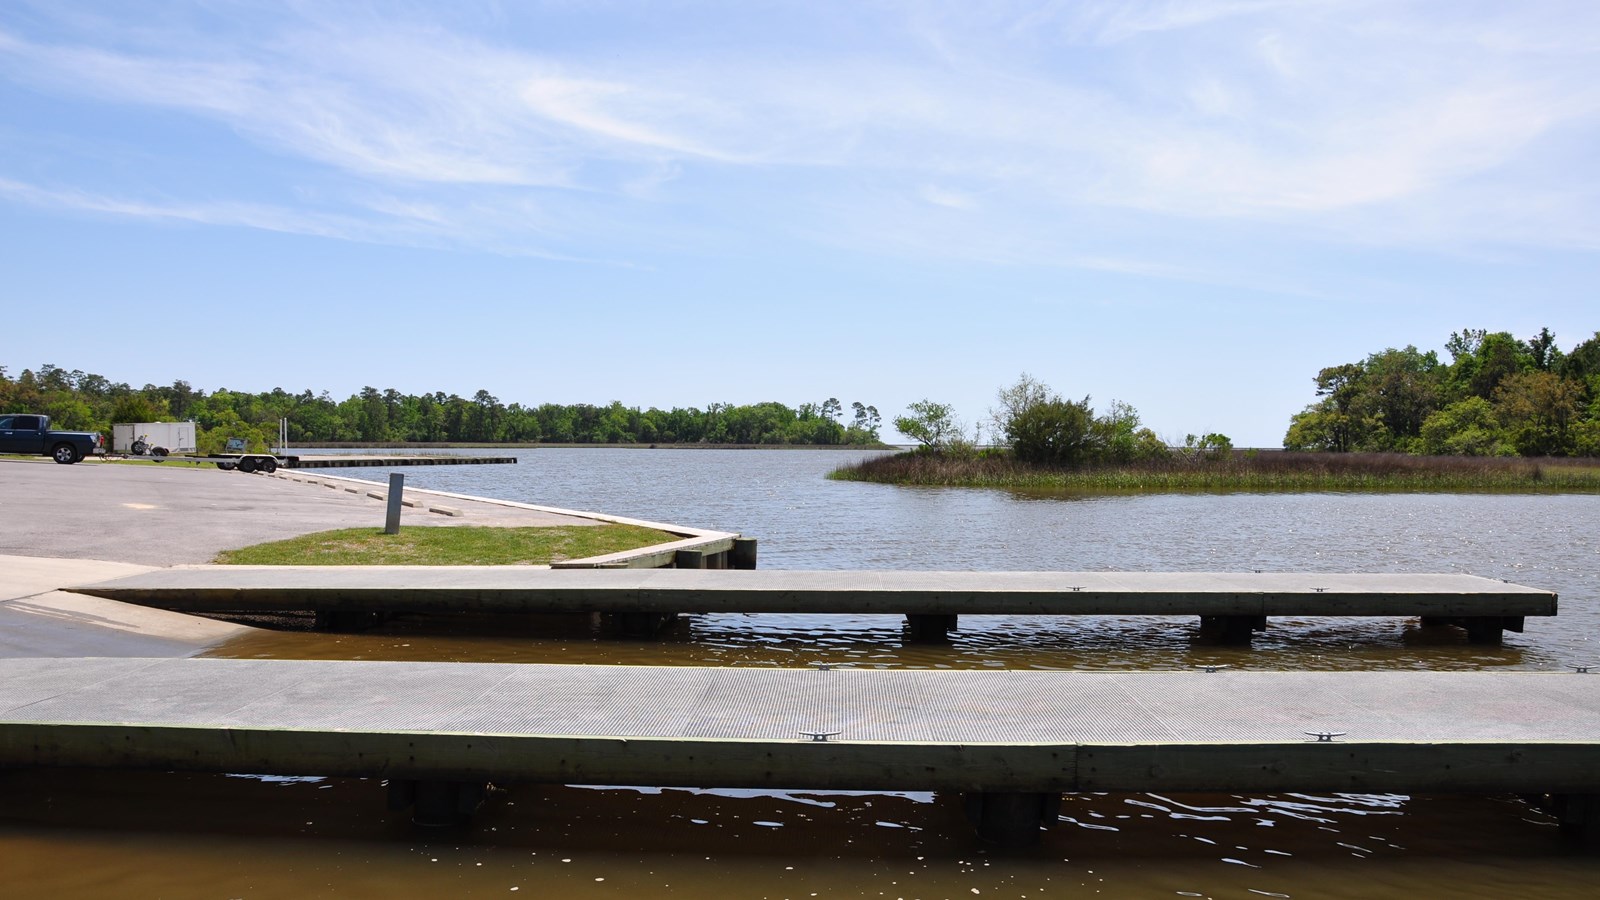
(191, 836)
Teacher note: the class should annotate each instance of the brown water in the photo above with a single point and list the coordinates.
(72, 835)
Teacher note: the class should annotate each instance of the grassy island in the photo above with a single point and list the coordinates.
(1235, 471)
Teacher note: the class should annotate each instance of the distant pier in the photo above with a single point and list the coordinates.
(354, 461)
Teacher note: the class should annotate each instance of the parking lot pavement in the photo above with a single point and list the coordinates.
(162, 515)
(73, 525)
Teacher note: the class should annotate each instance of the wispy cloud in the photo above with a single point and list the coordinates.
(1310, 115)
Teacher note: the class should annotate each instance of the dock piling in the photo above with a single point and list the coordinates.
(1232, 630)
(437, 804)
(1012, 818)
(930, 627)
(743, 554)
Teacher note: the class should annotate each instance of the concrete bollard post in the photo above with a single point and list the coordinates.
(397, 487)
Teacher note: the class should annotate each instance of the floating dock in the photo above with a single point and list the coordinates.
(1010, 740)
(1231, 605)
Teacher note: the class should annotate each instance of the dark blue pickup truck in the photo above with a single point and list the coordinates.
(31, 434)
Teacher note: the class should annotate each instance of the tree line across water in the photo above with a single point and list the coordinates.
(80, 401)
(1498, 416)
(1498, 396)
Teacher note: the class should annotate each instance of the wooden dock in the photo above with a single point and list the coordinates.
(1010, 740)
(1230, 605)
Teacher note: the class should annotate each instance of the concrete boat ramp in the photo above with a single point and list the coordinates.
(1010, 741)
(1230, 604)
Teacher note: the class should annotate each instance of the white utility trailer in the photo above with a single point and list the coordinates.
(157, 439)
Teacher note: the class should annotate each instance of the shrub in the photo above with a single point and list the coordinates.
(1053, 432)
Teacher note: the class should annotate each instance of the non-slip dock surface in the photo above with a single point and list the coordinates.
(896, 729)
(523, 589)
(777, 704)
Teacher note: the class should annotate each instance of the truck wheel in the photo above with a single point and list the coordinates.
(247, 465)
(269, 465)
(66, 454)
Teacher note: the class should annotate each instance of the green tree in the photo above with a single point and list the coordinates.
(1211, 445)
(1330, 423)
(1537, 411)
(1053, 432)
(1118, 437)
(1543, 352)
(138, 407)
(1017, 399)
(933, 425)
(1397, 391)
(1464, 428)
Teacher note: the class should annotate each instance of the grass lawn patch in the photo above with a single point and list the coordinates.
(447, 546)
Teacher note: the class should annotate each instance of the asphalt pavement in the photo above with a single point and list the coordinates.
(174, 513)
(72, 525)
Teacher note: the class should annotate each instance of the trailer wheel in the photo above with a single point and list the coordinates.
(64, 453)
(247, 465)
(139, 448)
(226, 467)
(269, 465)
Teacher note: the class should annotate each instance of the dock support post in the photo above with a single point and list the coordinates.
(437, 804)
(637, 624)
(397, 489)
(689, 559)
(1236, 630)
(1579, 817)
(1012, 818)
(930, 627)
(743, 554)
(1480, 629)
(1490, 629)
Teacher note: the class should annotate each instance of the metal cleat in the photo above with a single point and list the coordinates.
(819, 737)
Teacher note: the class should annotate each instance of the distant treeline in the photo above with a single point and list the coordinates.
(1498, 396)
(79, 401)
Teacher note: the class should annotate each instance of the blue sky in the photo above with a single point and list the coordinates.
(1187, 205)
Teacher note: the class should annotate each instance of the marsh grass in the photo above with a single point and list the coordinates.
(447, 546)
(1241, 472)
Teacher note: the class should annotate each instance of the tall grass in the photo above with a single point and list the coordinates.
(1240, 471)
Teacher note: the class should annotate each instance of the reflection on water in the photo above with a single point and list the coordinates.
(167, 835)
(247, 837)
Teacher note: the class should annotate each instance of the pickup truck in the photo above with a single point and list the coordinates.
(31, 434)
